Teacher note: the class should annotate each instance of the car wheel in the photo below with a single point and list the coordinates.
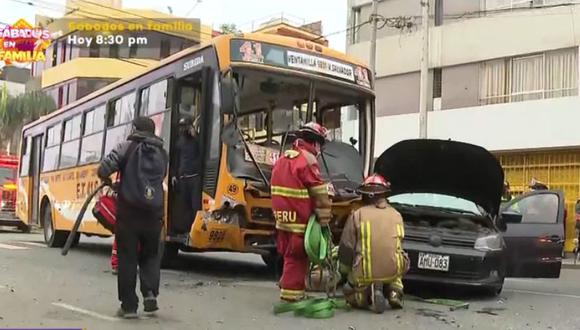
(52, 237)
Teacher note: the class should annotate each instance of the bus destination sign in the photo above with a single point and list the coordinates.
(262, 53)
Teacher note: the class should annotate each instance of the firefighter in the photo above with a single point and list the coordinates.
(370, 251)
(298, 191)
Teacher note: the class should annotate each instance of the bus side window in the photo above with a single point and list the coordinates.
(51, 153)
(153, 103)
(71, 139)
(120, 115)
(92, 142)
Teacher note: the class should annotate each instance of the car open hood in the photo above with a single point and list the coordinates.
(444, 167)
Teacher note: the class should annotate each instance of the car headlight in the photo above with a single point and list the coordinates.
(489, 243)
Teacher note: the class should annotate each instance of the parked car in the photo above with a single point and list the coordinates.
(449, 195)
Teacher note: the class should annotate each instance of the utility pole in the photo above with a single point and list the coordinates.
(424, 70)
(373, 51)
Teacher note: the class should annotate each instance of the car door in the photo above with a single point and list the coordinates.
(534, 234)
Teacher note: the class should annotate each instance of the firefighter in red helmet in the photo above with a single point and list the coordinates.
(370, 251)
(298, 191)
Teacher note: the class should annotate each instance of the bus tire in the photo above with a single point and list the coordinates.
(52, 238)
(169, 252)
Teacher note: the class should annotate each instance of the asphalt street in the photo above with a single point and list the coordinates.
(41, 288)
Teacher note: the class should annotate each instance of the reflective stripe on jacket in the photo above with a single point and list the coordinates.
(296, 180)
(371, 244)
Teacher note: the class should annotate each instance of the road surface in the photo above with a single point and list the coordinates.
(41, 288)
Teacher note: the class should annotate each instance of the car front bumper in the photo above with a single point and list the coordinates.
(467, 266)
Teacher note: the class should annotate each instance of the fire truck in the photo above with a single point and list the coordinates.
(8, 169)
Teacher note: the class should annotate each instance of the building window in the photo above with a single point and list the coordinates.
(94, 50)
(510, 4)
(60, 96)
(354, 26)
(437, 75)
(133, 50)
(164, 48)
(438, 12)
(531, 77)
(64, 52)
(114, 51)
(55, 54)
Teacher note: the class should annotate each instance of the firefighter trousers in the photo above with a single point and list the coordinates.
(292, 283)
(360, 296)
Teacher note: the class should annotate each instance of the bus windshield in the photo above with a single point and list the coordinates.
(273, 104)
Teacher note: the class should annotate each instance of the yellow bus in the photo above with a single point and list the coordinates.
(250, 92)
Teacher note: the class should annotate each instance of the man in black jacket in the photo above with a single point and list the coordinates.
(187, 182)
(142, 164)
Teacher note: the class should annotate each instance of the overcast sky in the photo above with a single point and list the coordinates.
(212, 12)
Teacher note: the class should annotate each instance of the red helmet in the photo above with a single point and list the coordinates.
(313, 132)
(375, 184)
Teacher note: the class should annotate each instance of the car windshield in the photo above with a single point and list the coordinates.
(437, 200)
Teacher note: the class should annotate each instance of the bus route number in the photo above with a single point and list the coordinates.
(217, 235)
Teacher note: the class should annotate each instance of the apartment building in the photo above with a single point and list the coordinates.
(72, 71)
(503, 75)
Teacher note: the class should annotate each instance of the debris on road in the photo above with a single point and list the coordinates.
(490, 310)
(438, 315)
(453, 304)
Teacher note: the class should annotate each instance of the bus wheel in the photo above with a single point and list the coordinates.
(169, 252)
(52, 237)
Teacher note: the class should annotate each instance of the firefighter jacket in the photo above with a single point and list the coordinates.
(370, 248)
(298, 190)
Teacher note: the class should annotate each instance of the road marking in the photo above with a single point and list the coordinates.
(12, 247)
(33, 244)
(544, 293)
(85, 312)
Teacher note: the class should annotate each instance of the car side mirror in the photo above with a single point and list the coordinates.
(230, 95)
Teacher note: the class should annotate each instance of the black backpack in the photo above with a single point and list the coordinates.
(143, 175)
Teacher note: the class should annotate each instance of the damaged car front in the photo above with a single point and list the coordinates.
(449, 196)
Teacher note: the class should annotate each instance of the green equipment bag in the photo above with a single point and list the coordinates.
(318, 246)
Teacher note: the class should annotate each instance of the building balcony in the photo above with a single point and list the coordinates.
(92, 67)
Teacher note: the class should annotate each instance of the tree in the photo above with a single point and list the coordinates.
(229, 29)
(16, 111)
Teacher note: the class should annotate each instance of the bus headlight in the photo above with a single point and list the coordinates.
(489, 243)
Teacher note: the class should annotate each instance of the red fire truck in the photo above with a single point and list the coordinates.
(8, 169)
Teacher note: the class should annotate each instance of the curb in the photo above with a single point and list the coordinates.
(570, 266)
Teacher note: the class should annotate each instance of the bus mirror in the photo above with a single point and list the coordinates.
(230, 95)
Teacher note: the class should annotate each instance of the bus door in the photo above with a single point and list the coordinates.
(189, 99)
(35, 164)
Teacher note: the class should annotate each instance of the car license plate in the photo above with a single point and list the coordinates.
(433, 262)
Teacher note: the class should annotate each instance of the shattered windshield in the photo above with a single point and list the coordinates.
(273, 106)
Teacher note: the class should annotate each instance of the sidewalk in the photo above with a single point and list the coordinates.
(568, 263)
